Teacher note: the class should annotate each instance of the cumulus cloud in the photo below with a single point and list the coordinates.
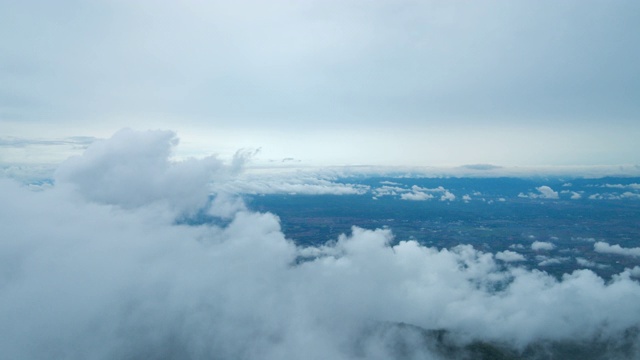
(133, 169)
(606, 248)
(386, 182)
(416, 196)
(420, 194)
(88, 273)
(387, 190)
(544, 192)
(542, 245)
(509, 256)
(630, 195)
(290, 184)
(547, 192)
(552, 261)
(447, 196)
(614, 196)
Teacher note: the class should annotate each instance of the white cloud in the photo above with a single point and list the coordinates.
(544, 192)
(614, 196)
(447, 196)
(509, 256)
(133, 169)
(420, 194)
(630, 195)
(547, 192)
(416, 196)
(226, 206)
(542, 245)
(588, 263)
(296, 184)
(387, 190)
(385, 182)
(633, 186)
(86, 273)
(606, 248)
(552, 261)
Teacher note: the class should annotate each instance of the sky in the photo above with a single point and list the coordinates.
(411, 83)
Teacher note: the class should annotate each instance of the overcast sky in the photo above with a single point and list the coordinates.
(331, 82)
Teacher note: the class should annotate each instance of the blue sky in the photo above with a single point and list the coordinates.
(330, 82)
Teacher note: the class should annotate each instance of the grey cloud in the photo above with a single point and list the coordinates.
(588, 263)
(553, 261)
(82, 141)
(481, 167)
(327, 60)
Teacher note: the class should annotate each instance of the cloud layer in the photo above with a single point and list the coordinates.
(100, 267)
(455, 83)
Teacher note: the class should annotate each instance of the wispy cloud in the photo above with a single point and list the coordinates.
(79, 141)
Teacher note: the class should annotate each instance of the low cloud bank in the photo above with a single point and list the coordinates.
(98, 267)
(300, 185)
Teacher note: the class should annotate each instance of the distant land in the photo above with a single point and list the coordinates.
(566, 216)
